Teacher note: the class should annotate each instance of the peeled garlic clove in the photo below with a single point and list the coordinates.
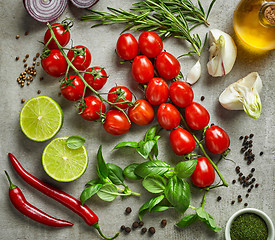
(244, 95)
(194, 74)
(223, 53)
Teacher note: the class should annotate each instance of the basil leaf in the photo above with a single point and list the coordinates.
(149, 205)
(187, 220)
(186, 168)
(154, 183)
(108, 192)
(160, 208)
(115, 174)
(129, 172)
(156, 167)
(89, 192)
(75, 142)
(126, 144)
(177, 192)
(102, 170)
(155, 148)
(207, 219)
(150, 134)
(154, 202)
(93, 182)
(145, 148)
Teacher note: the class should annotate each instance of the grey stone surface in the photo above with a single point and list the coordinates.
(101, 42)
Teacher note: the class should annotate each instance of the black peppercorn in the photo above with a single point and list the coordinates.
(144, 230)
(241, 138)
(128, 210)
(249, 189)
(252, 170)
(232, 202)
(251, 135)
(127, 230)
(247, 195)
(122, 228)
(140, 224)
(246, 137)
(234, 181)
(261, 153)
(239, 196)
(152, 230)
(135, 224)
(202, 98)
(253, 179)
(245, 204)
(219, 198)
(163, 222)
(240, 199)
(256, 185)
(240, 174)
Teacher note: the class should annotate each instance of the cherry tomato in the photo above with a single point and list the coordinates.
(117, 95)
(168, 116)
(216, 139)
(82, 57)
(116, 123)
(127, 46)
(167, 66)
(196, 116)
(204, 174)
(73, 88)
(96, 77)
(55, 64)
(142, 69)
(157, 91)
(150, 44)
(181, 93)
(181, 141)
(61, 33)
(142, 113)
(92, 105)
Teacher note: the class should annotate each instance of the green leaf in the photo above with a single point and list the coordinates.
(151, 133)
(154, 183)
(115, 174)
(177, 192)
(155, 148)
(207, 219)
(187, 220)
(89, 192)
(186, 168)
(102, 169)
(155, 201)
(160, 208)
(156, 167)
(129, 172)
(93, 182)
(108, 192)
(145, 148)
(149, 205)
(75, 142)
(126, 144)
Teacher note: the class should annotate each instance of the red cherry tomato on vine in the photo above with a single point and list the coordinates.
(204, 174)
(61, 33)
(168, 116)
(141, 114)
(93, 108)
(157, 91)
(181, 93)
(216, 139)
(82, 57)
(167, 66)
(142, 69)
(196, 116)
(96, 77)
(120, 91)
(150, 44)
(116, 123)
(181, 141)
(73, 88)
(127, 46)
(54, 64)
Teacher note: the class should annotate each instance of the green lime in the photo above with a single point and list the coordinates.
(62, 163)
(41, 118)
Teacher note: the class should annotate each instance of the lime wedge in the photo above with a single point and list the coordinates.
(41, 118)
(62, 163)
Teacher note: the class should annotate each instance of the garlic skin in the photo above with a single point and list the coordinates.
(194, 74)
(244, 95)
(223, 53)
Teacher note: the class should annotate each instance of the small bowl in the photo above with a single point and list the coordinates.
(260, 213)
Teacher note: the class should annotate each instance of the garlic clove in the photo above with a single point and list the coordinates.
(194, 74)
(222, 53)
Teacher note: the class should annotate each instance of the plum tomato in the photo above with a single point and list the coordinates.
(142, 113)
(196, 116)
(150, 44)
(181, 93)
(127, 46)
(61, 33)
(168, 116)
(142, 69)
(181, 141)
(120, 94)
(157, 91)
(204, 174)
(72, 88)
(54, 64)
(167, 66)
(116, 123)
(96, 77)
(80, 57)
(216, 139)
(91, 108)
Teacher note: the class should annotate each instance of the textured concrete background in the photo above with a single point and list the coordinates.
(101, 42)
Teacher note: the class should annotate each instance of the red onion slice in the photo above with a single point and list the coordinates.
(45, 10)
(84, 3)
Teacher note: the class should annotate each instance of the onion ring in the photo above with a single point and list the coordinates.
(84, 3)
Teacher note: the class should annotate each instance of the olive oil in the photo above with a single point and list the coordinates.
(254, 23)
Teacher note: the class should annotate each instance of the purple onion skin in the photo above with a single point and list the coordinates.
(84, 3)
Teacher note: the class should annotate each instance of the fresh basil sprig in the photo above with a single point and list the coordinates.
(75, 142)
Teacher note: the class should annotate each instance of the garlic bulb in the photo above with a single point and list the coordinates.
(223, 53)
(194, 74)
(244, 95)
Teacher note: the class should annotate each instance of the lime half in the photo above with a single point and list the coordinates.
(62, 163)
(41, 118)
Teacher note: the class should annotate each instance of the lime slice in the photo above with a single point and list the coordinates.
(41, 118)
(62, 163)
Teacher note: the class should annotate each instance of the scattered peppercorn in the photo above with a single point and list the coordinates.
(232, 202)
(152, 230)
(141, 224)
(240, 174)
(144, 230)
(122, 228)
(219, 198)
(128, 210)
(17, 36)
(241, 138)
(23, 100)
(234, 181)
(240, 199)
(37, 54)
(39, 91)
(163, 223)
(26, 33)
(261, 153)
(247, 195)
(27, 55)
(246, 204)
(127, 229)
(24, 60)
(246, 137)
(202, 98)
(135, 224)
(256, 185)
(17, 58)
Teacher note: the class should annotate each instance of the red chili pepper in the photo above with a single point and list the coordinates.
(67, 200)
(20, 203)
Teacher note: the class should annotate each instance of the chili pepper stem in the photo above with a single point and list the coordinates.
(12, 186)
(96, 226)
